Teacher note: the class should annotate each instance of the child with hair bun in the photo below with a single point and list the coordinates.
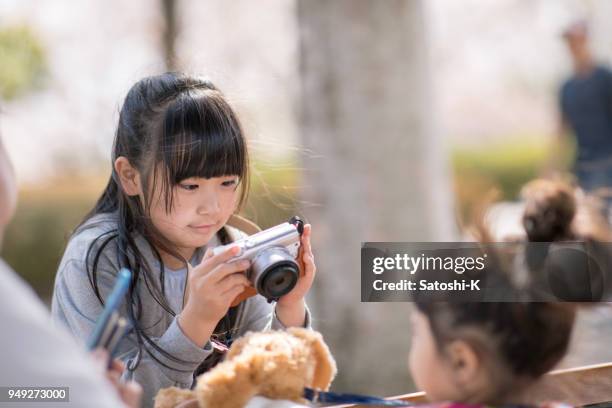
(494, 353)
(578, 259)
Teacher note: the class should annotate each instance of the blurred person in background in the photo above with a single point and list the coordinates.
(36, 354)
(585, 101)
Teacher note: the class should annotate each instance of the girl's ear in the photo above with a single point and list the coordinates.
(465, 362)
(129, 177)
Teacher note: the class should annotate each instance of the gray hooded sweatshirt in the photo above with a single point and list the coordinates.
(76, 306)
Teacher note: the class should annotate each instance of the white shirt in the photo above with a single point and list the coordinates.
(35, 353)
(174, 286)
(261, 402)
(175, 280)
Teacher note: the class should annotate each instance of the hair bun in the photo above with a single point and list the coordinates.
(549, 211)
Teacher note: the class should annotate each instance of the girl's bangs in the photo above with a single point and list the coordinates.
(201, 138)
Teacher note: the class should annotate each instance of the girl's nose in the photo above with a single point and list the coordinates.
(209, 205)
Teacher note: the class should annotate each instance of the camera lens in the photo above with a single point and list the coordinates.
(274, 272)
(279, 280)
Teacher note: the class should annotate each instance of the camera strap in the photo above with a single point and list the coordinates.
(323, 397)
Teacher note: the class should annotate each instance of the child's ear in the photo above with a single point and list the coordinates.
(129, 177)
(465, 361)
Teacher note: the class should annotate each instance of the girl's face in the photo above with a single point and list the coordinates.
(431, 371)
(200, 208)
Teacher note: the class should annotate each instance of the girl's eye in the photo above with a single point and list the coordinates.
(228, 183)
(189, 187)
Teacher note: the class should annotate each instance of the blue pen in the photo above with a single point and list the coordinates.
(112, 304)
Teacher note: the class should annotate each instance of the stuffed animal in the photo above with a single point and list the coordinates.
(273, 364)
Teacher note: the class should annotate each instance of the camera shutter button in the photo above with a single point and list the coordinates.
(248, 244)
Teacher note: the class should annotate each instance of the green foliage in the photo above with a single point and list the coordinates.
(37, 236)
(46, 213)
(273, 195)
(23, 61)
(507, 166)
(503, 168)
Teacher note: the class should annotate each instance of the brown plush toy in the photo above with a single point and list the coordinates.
(273, 364)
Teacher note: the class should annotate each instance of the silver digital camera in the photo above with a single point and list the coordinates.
(274, 270)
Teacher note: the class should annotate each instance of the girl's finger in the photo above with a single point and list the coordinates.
(210, 263)
(131, 394)
(223, 256)
(208, 254)
(306, 237)
(101, 357)
(114, 378)
(308, 249)
(234, 291)
(232, 280)
(118, 366)
(221, 271)
(99, 354)
(307, 231)
(310, 270)
(308, 259)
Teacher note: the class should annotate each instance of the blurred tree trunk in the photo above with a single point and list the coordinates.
(168, 8)
(375, 171)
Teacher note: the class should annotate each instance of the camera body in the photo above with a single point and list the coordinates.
(274, 270)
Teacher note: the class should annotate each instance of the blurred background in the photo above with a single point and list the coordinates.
(377, 121)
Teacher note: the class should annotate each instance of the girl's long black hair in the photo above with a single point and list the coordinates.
(171, 127)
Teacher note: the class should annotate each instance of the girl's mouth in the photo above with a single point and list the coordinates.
(203, 227)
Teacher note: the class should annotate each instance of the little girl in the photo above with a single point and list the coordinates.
(486, 353)
(180, 173)
(491, 353)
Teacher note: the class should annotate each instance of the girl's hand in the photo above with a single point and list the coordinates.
(129, 392)
(290, 308)
(211, 288)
